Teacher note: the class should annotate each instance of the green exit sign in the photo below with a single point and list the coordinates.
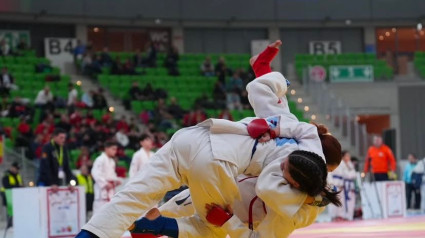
(351, 73)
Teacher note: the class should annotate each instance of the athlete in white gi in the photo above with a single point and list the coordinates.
(142, 156)
(207, 159)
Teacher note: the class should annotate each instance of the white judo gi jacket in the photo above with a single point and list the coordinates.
(103, 172)
(208, 160)
(140, 159)
(343, 177)
(252, 217)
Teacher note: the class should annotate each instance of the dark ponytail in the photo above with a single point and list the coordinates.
(332, 196)
(309, 171)
(330, 145)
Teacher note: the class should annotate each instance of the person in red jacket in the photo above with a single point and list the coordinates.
(380, 160)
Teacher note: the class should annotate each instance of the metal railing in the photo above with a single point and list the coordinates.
(338, 114)
(29, 168)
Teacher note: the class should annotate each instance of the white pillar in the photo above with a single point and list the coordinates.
(81, 32)
(274, 34)
(177, 36)
(369, 39)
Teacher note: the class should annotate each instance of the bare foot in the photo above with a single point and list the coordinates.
(276, 44)
(153, 214)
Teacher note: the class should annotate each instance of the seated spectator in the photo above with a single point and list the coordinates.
(219, 92)
(64, 123)
(22, 45)
(100, 100)
(150, 59)
(44, 97)
(20, 107)
(105, 57)
(6, 82)
(170, 61)
(194, 117)
(95, 67)
(122, 138)
(5, 49)
(107, 118)
(87, 99)
(84, 158)
(75, 119)
(175, 109)
(207, 68)
(221, 70)
(36, 147)
(148, 93)
(117, 67)
(122, 124)
(72, 95)
(89, 118)
(135, 92)
(47, 124)
(225, 114)
(128, 68)
(138, 59)
(244, 100)
(145, 117)
(234, 89)
(4, 106)
(162, 117)
(25, 133)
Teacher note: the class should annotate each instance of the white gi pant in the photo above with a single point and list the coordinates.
(176, 163)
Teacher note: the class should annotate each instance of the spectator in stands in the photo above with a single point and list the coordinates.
(204, 101)
(225, 114)
(54, 165)
(142, 156)
(47, 124)
(105, 57)
(122, 124)
(219, 92)
(175, 109)
(72, 96)
(135, 91)
(379, 157)
(11, 179)
(104, 175)
(148, 92)
(87, 99)
(22, 45)
(89, 118)
(122, 137)
(150, 59)
(79, 50)
(170, 61)
(410, 188)
(194, 117)
(4, 106)
(5, 48)
(138, 59)
(19, 107)
(25, 133)
(207, 68)
(6, 82)
(221, 70)
(85, 179)
(95, 67)
(36, 147)
(64, 123)
(84, 158)
(99, 100)
(117, 67)
(128, 68)
(244, 100)
(234, 88)
(44, 97)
